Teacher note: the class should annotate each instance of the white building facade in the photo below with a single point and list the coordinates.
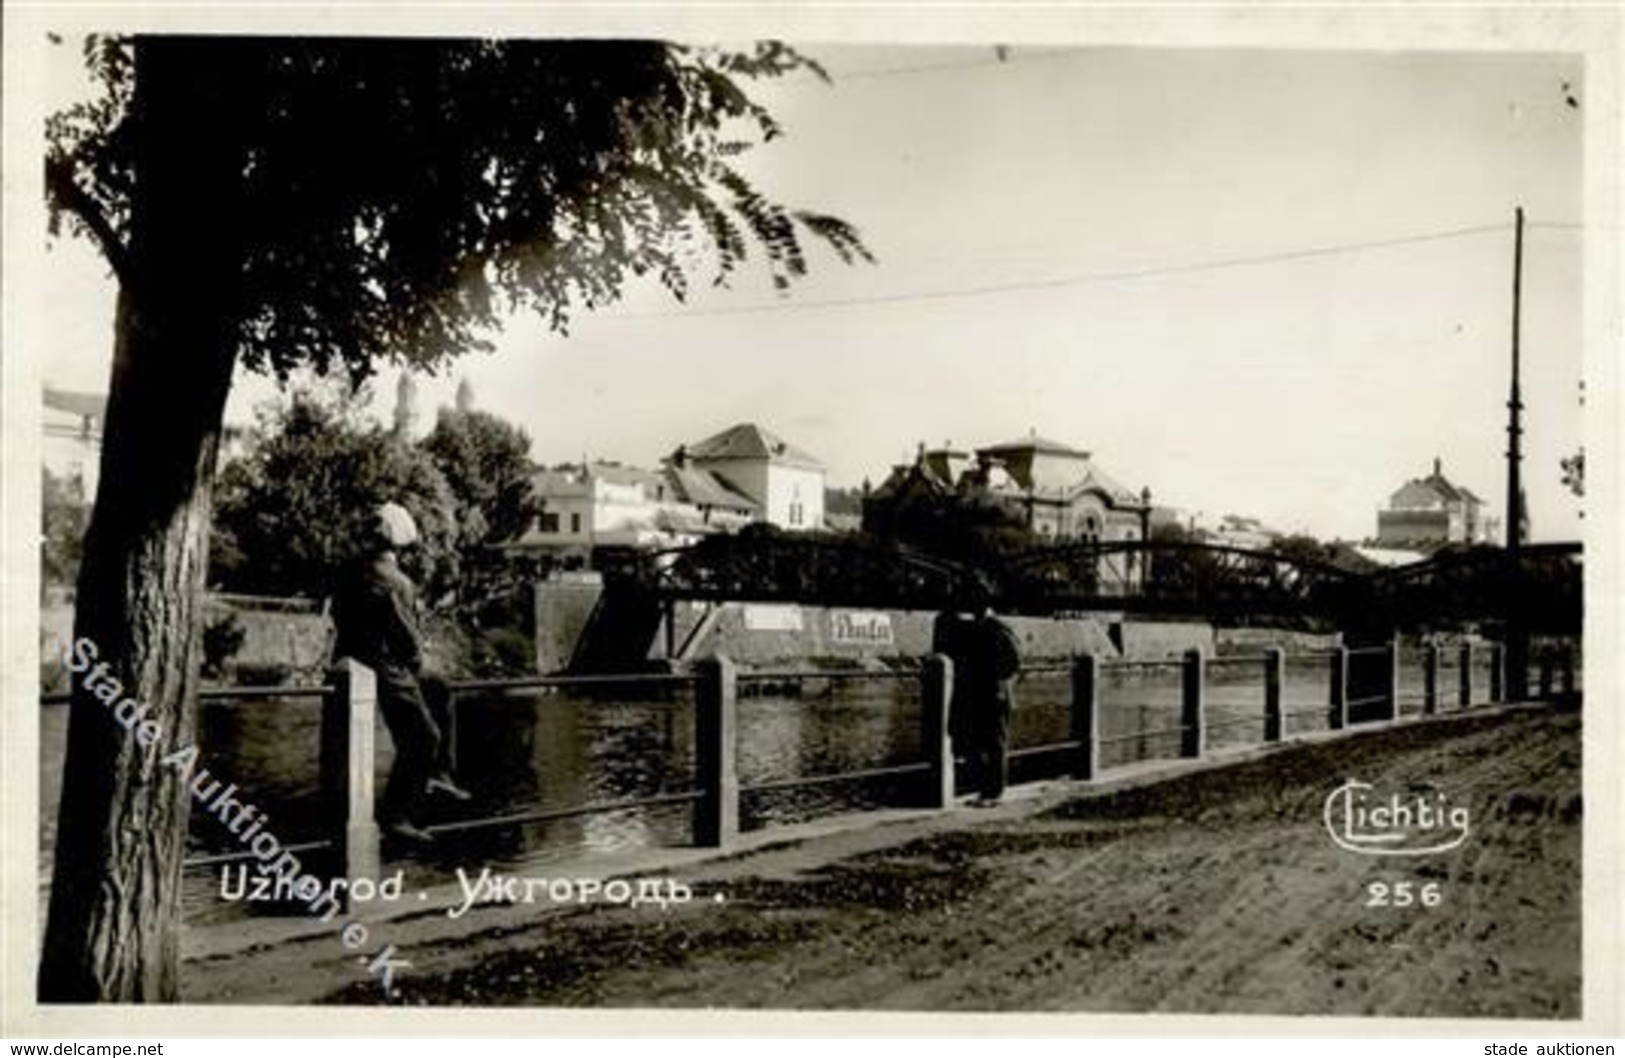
(785, 483)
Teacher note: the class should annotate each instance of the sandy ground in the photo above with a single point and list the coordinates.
(1214, 891)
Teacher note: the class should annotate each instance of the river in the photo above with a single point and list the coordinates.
(519, 752)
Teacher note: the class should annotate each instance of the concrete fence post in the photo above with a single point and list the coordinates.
(936, 694)
(1517, 664)
(1086, 716)
(1430, 679)
(1274, 678)
(1191, 734)
(346, 761)
(716, 814)
(1498, 658)
(1337, 716)
(1393, 679)
(1466, 677)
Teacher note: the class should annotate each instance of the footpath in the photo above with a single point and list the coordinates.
(1201, 886)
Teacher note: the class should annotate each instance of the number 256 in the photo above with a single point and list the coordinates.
(1403, 894)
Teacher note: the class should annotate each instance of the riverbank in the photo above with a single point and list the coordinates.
(1209, 887)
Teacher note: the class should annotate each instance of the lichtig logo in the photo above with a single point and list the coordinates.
(1361, 820)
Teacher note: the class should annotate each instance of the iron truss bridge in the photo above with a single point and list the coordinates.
(1177, 579)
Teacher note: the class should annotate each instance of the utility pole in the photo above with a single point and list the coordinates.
(1515, 405)
(1517, 638)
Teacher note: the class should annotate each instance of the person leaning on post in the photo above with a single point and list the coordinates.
(375, 617)
(985, 659)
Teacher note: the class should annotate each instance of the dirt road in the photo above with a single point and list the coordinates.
(1212, 892)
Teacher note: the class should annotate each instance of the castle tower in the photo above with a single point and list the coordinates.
(406, 406)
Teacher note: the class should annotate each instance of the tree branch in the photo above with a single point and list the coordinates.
(67, 193)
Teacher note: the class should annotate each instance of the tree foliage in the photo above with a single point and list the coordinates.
(1311, 551)
(399, 197)
(297, 505)
(338, 204)
(63, 514)
(1574, 472)
(963, 526)
(486, 462)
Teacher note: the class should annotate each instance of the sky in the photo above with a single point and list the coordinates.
(1046, 228)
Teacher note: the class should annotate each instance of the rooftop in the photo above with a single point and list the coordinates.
(702, 488)
(746, 440)
(1034, 443)
(1443, 487)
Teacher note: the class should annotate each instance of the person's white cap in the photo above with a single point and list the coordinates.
(395, 525)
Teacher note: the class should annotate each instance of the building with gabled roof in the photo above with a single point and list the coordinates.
(713, 499)
(1431, 512)
(744, 474)
(1063, 493)
(785, 483)
(749, 442)
(1056, 490)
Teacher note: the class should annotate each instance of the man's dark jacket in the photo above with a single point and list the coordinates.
(375, 614)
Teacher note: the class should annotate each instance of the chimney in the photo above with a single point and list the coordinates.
(1437, 472)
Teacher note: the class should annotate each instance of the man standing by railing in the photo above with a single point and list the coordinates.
(375, 616)
(985, 658)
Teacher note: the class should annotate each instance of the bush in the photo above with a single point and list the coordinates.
(53, 678)
(503, 652)
(269, 675)
(222, 639)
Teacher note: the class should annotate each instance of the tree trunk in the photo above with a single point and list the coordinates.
(113, 928)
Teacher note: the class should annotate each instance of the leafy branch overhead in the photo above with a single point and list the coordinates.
(398, 197)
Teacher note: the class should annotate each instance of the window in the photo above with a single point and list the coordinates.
(575, 523)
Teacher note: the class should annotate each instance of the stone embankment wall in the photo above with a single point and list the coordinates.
(276, 644)
(787, 634)
(759, 634)
(1255, 640)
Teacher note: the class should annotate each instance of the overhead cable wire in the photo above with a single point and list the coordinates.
(1119, 276)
